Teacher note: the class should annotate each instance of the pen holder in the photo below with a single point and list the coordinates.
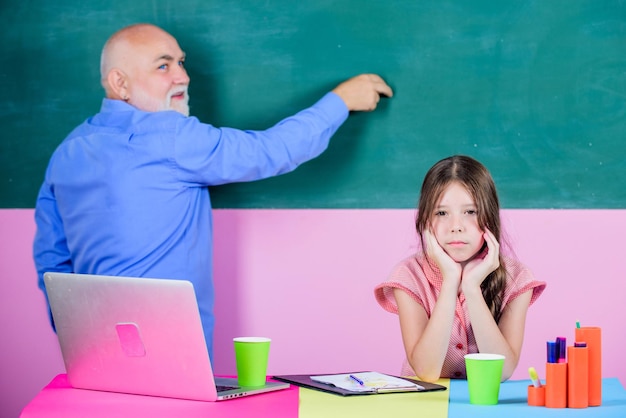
(556, 385)
(577, 377)
(593, 337)
(536, 396)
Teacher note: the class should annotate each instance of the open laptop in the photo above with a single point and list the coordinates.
(136, 335)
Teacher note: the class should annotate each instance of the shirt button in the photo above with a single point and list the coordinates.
(459, 346)
(457, 374)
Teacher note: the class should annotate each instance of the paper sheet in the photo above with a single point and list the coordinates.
(367, 382)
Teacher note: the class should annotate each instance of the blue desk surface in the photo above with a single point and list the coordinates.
(512, 402)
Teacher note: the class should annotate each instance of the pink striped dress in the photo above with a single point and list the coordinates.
(423, 282)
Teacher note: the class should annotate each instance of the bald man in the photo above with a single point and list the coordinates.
(125, 194)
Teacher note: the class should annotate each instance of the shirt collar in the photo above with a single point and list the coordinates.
(113, 105)
(431, 271)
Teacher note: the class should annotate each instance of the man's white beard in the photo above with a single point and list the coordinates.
(182, 106)
(143, 102)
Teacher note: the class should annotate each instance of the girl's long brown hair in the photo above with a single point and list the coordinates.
(477, 180)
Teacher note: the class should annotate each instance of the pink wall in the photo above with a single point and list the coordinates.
(305, 279)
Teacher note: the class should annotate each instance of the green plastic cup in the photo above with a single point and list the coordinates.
(484, 372)
(251, 354)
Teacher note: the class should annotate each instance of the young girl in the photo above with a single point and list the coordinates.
(460, 294)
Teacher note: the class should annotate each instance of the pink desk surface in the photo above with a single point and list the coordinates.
(59, 399)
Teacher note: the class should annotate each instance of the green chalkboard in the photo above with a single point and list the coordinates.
(534, 89)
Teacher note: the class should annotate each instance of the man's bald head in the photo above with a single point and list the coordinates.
(120, 46)
(143, 65)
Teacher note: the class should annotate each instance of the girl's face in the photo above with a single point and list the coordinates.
(455, 224)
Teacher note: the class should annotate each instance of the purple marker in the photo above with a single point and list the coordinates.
(552, 351)
(580, 344)
(562, 349)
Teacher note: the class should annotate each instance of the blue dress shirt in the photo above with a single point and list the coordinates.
(125, 194)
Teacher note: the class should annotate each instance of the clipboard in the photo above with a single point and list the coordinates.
(304, 380)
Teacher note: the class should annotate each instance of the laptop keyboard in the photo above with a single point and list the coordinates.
(223, 388)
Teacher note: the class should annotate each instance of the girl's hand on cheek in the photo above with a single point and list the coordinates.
(477, 270)
(450, 269)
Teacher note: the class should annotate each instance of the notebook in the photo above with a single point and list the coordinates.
(136, 335)
(359, 383)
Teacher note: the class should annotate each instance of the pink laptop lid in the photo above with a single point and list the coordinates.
(131, 335)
